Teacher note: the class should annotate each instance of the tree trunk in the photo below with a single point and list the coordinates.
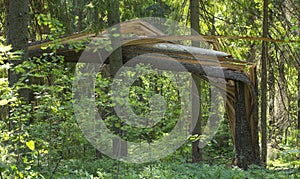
(271, 87)
(298, 114)
(196, 119)
(17, 35)
(264, 58)
(115, 60)
(77, 11)
(283, 103)
(297, 2)
(245, 154)
(120, 148)
(194, 15)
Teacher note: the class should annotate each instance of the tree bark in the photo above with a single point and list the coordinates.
(77, 11)
(264, 59)
(282, 85)
(17, 35)
(195, 29)
(115, 59)
(245, 154)
(297, 2)
(271, 87)
(195, 17)
(120, 148)
(298, 127)
(196, 119)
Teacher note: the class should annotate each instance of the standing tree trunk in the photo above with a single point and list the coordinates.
(194, 15)
(77, 11)
(297, 3)
(283, 105)
(120, 148)
(17, 35)
(115, 60)
(264, 58)
(298, 127)
(196, 119)
(271, 87)
(245, 155)
(298, 120)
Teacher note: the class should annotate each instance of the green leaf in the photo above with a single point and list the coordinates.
(286, 39)
(44, 47)
(3, 102)
(5, 48)
(117, 125)
(90, 5)
(30, 145)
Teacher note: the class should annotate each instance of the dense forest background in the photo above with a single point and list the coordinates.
(40, 137)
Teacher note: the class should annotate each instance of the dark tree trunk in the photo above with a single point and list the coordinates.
(298, 127)
(77, 11)
(196, 119)
(271, 87)
(194, 15)
(115, 60)
(264, 58)
(80, 18)
(213, 27)
(297, 2)
(17, 35)
(256, 147)
(251, 56)
(245, 154)
(120, 148)
(283, 98)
